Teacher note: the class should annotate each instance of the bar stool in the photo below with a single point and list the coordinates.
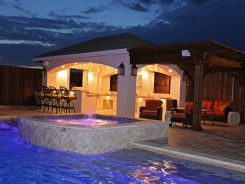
(67, 98)
(54, 98)
(39, 97)
(46, 97)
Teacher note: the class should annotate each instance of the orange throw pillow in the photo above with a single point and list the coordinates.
(223, 107)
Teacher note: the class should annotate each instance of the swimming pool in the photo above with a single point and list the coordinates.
(21, 162)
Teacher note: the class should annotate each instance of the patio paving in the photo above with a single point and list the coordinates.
(221, 144)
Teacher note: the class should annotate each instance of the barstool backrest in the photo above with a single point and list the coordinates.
(45, 90)
(53, 90)
(64, 91)
(67, 94)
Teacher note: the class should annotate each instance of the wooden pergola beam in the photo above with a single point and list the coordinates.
(190, 72)
(223, 62)
(159, 58)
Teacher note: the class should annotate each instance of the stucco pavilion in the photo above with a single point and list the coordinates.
(100, 58)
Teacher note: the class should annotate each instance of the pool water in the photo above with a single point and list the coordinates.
(21, 162)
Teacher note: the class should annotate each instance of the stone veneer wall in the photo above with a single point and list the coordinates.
(89, 140)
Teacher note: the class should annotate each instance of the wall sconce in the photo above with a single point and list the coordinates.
(133, 70)
(44, 72)
(185, 76)
(121, 69)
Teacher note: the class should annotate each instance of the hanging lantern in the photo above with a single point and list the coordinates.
(121, 69)
(133, 70)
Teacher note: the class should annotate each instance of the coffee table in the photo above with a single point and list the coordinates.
(204, 113)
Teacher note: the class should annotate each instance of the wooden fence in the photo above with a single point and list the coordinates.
(218, 86)
(17, 85)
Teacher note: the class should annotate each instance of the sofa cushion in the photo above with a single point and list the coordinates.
(152, 104)
(208, 104)
(219, 113)
(188, 105)
(223, 107)
(179, 115)
(219, 103)
(148, 113)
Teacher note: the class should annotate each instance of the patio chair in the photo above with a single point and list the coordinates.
(152, 109)
(67, 97)
(184, 115)
(46, 97)
(54, 98)
(38, 97)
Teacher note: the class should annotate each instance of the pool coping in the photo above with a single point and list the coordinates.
(87, 127)
(213, 160)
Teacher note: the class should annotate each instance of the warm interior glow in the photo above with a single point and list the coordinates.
(61, 73)
(75, 63)
(90, 76)
(140, 99)
(61, 78)
(107, 97)
(170, 71)
(144, 73)
(62, 66)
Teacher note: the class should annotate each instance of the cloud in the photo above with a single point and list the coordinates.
(137, 7)
(27, 42)
(172, 21)
(93, 10)
(141, 6)
(2, 2)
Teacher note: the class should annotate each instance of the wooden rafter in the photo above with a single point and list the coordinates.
(223, 62)
(190, 72)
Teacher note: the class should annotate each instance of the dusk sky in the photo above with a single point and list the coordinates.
(33, 27)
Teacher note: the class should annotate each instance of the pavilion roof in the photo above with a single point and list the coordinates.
(119, 41)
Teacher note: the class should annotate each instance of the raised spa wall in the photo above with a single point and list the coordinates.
(89, 140)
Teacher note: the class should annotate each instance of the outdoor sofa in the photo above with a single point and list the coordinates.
(220, 108)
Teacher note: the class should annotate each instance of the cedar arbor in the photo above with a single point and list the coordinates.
(199, 58)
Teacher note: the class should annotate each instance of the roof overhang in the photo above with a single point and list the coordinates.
(210, 52)
(81, 55)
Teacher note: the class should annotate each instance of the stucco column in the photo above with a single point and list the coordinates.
(45, 79)
(126, 90)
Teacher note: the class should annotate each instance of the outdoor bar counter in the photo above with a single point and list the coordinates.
(85, 103)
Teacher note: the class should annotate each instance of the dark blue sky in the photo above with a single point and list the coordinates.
(32, 27)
